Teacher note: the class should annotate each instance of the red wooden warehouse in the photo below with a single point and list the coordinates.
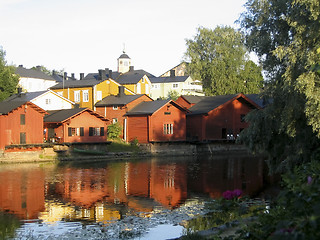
(188, 101)
(219, 117)
(20, 123)
(75, 125)
(157, 121)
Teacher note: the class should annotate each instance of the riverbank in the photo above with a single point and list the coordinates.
(113, 151)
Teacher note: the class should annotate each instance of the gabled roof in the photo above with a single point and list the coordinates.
(192, 98)
(6, 107)
(117, 100)
(207, 104)
(168, 79)
(95, 76)
(29, 96)
(132, 77)
(32, 73)
(76, 84)
(148, 108)
(65, 114)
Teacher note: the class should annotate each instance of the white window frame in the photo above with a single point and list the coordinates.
(85, 95)
(48, 101)
(168, 128)
(175, 85)
(114, 120)
(99, 95)
(114, 107)
(76, 96)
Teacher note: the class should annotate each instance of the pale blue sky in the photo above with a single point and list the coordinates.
(87, 35)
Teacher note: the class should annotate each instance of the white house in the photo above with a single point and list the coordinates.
(47, 100)
(32, 80)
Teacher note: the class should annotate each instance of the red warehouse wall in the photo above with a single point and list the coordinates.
(138, 128)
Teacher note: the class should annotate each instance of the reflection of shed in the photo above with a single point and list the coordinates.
(75, 125)
(157, 121)
(219, 117)
(20, 123)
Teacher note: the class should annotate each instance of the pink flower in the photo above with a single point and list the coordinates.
(237, 192)
(309, 180)
(227, 195)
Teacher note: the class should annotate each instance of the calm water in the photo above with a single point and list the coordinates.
(45, 198)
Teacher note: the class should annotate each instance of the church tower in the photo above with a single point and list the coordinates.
(124, 63)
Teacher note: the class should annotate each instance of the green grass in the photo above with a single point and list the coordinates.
(119, 146)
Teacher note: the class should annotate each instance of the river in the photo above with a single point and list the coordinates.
(139, 199)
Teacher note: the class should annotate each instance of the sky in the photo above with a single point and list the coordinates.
(82, 36)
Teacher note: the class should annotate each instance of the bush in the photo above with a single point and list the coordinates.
(114, 131)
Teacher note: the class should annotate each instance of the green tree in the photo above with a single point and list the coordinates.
(173, 95)
(286, 36)
(219, 59)
(114, 131)
(8, 79)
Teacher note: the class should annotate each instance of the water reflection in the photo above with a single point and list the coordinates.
(109, 191)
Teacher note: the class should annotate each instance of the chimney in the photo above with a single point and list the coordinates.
(65, 76)
(172, 73)
(102, 74)
(131, 69)
(21, 65)
(72, 75)
(19, 91)
(38, 68)
(110, 73)
(81, 76)
(121, 91)
(53, 72)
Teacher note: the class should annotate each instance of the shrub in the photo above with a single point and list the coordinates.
(114, 131)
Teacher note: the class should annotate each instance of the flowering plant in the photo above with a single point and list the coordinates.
(232, 194)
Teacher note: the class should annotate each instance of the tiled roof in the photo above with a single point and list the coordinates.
(32, 73)
(132, 77)
(76, 83)
(117, 100)
(209, 103)
(28, 96)
(147, 108)
(6, 107)
(168, 79)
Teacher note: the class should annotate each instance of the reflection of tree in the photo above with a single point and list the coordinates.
(8, 224)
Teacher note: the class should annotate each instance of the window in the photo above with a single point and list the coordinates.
(242, 117)
(114, 120)
(155, 86)
(96, 131)
(168, 128)
(175, 85)
(99, 95)
(23, 138)
(85, 95)
(76, 96)
(114, 107)
(142, 80)
(22, 119)
(75, 131)
(48, 101)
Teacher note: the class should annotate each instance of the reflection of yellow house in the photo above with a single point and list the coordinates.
(89, 91)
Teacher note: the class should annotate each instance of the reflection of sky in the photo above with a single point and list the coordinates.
(165, 231)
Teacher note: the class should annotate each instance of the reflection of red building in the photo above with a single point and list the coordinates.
(228, 173)
(168, 184)
(22, 192)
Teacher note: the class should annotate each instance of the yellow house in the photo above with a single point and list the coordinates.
(90, 90)
(136, 81)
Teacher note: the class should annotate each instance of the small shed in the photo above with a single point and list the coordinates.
(75, 125)
(20, 123)
(219, 117)
(157, 121)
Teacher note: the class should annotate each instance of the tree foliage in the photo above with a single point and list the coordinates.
(8, 79)
(114, 131)
(173, 95)
(219, 59)
(286, 36)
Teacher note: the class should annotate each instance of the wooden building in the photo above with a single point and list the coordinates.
(157, 121)
(20, 123)
(219, 117)
(115, 107)
(75, 125)
(188, 101)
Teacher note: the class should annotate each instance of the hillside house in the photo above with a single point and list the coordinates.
(20, 123)
(183, 85)
(219, 117)
(47, 100)
(75, 125)
(34, 80)
(115, 107)
(156, 121)
(88, 91)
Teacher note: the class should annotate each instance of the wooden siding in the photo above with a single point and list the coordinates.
(10, 127)
(138, 128)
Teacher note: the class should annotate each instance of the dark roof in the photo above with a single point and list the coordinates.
(62, 115)
(6, 107)
(76, 83)
(117, 100)
(95, 76)
(193, 98)
(147, 108)
(168, 79)
(124, 55)
(26, 97)
(32, 73)
(209, 103)
(132, 77)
